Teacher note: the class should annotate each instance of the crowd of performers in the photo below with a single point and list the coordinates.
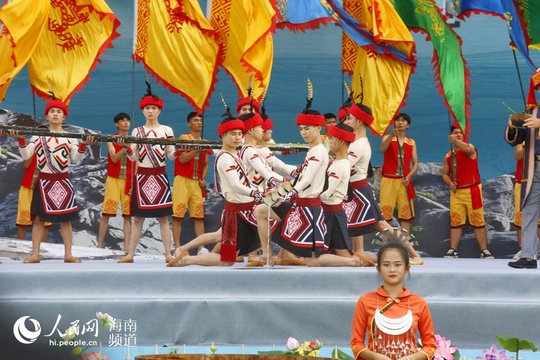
(317, 212)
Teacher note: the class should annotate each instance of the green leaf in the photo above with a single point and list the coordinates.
(341, 355)
(515, 344)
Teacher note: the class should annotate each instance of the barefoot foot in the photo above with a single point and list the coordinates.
(32, 260)
(126, 260)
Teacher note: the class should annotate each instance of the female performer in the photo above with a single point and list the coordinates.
(392, 316)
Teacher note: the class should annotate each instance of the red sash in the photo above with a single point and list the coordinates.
(230, 229)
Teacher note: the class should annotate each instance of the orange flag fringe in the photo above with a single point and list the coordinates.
(178, 46)
(249, 53)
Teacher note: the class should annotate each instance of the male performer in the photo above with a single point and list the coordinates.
(239, 232)
(519, 154)
(362, 210)
(54, 197)
(460, 173)
(117, 184)
(337, 237)
(530, 192)
(399, 166)
(302, 228)
(151, 196)
(190, 171)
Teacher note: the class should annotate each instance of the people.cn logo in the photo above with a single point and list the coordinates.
(23, 334)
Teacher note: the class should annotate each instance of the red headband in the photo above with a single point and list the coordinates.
(342, 113)
(341, 134)
(310, 119)
(230, 125)
(533, 85)
(268, 124)
(56, 104)
(149, 100)
(252, 122)
(247, 101)
(361, 115)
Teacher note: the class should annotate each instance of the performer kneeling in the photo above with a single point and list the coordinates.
(303, 229)
(337, 237)
(239, 231)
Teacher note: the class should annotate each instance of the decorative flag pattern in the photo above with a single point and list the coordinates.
(302, 15)
(530, 11)
(60, 49)
(451, 74)
(244, 28)
(506, 10)
(178, 46)
(23, 23)
(384, 58)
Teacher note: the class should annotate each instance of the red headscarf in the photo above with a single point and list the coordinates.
(56, 104)
(247, 101)
(151, 100)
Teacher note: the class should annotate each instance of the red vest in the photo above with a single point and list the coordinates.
(392, 163)
(467, 173)
(114, 168)
(186, 170)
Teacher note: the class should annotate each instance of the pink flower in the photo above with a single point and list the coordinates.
(444, 350)
(94, 355)
(292, 343)
(493, 354)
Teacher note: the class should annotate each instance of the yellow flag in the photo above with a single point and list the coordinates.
(23, 23)
(384, 86)
(75, 35)
(385, 79)
(177, 44)
(245, 28)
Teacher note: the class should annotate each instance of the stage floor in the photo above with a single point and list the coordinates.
(471, 300)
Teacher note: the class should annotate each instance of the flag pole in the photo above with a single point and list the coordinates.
(519, 78)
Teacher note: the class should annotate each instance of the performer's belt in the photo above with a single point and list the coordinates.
(359, 184)
(308, 201)
(467, 186)
(332, 208)
(56, 176)
(151, 171)
(230, 206)
(393, 176)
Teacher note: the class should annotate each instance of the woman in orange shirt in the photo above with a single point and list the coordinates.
(392, 316)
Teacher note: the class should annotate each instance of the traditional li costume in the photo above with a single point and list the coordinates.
(338, 174)
(530, 183)
(240, 236)
(151, 196)
(187, 191)
(118, 184)
(362, 210)
(54, 198)
(396, 166)
(259, 172)
(467, 199)
(302, 228)
(392, 325)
